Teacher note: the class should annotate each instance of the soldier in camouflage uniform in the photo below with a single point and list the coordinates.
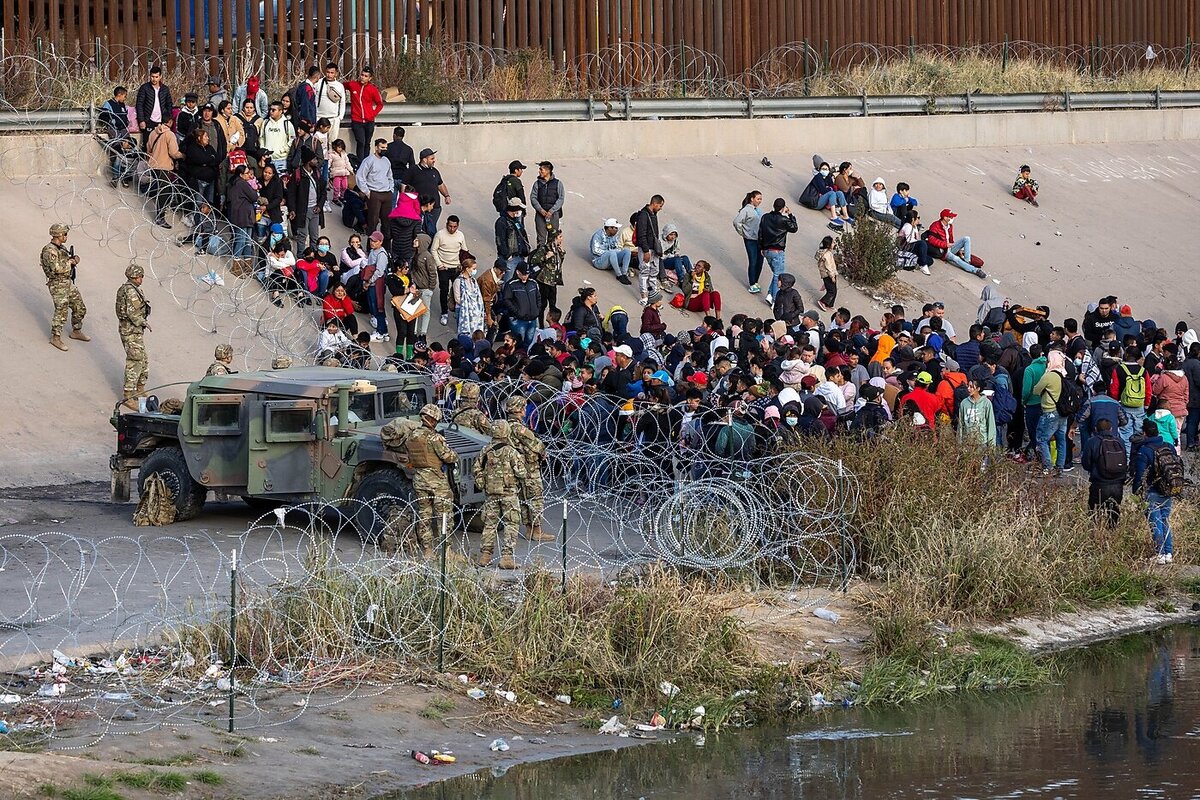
(468, 414)
(132, 312)
(500, 471)
(281, 362)
(59, 266)
(223, 356)
(533, 503)
(428, 455)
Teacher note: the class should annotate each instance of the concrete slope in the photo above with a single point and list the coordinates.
(1116, 220)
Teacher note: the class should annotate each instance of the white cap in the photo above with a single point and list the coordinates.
(611, 222)
(624, 350)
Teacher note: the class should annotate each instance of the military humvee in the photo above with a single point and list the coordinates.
(286, 436)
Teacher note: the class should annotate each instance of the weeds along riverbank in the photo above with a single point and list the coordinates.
(945, 544)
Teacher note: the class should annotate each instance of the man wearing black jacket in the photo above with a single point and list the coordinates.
(522, 303)
(772, 241)
(645, 233)
(153, 104)
(402, 157)
(306, 201)
(512, 240)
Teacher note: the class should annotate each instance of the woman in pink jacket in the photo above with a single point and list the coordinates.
(1171, 388)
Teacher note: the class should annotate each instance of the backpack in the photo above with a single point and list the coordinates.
(994, 319)
(1111, 462)
(735, 440)
(1004, 405)
(1133, 393)
(1070, 399)
(1168, 471)
(500, 196)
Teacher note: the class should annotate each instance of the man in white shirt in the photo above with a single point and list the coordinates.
(446, 246)
(331, 101)
(275, 135)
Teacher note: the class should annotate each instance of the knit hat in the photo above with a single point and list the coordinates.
(654, 297)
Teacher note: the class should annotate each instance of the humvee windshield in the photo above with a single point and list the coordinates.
(403, 403)
(362, 406)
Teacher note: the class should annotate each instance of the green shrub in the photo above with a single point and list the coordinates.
(866, 252)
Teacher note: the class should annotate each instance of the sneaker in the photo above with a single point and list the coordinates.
(337, 201)
(641, 301)
(770, 300)
(328, 208)
(162, 223)
(924, 270)
(624, 280)
(754, 288)
(387, 337)
(1163, 559)
(1068, 468)
(372, 321)
(824, 307)
(980, 273)
(378, 337)
(445, 318)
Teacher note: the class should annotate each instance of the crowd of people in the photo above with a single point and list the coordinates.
(1015, 383)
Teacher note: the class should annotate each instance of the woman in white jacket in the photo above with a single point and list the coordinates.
(746, 224)
(877, 204)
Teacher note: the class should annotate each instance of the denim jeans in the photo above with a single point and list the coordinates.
(421, 328)
(1133, 425)
(206, 189)
(891, 219)
(1033, 413)
(241, 242)
(524, 329)
(832, 198)
(777, 261)
(616, 260)
(510, 268)
(1159, 515)
(959, 254)
(1193, 421)
(682, 265)
(1052, 425)
(378, 310)
(754, 261)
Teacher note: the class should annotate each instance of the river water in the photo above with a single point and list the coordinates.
(1125, 723)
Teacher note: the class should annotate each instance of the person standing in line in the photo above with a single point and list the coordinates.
(500, 471)
(546, 197)
(772, 241)
(251, 91)
(58, 264)
(512, 240)
(746, 224)
(449, 242)
(827, 269)
(331, 100)
(424, 276)
(365, 104)
(164, 154)
(1106, 464)
(306, 201)
(522, 301)
(374, 177)
(1161, 476)
(649, 246)
(153, 104)
(403, 158)
(243, 202)
(133, 313)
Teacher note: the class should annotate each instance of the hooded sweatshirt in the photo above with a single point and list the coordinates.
(424, 268)
(977, 421)
(989, 298)
(877, 199)
(669, 248)
(788, 303)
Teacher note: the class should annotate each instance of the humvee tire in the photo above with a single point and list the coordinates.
(377, 492)
(170, 465)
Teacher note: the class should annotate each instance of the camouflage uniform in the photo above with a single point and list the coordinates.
(56, 264)
(223, 355)
(132, 310)
(500, 470)
(533, 502)
(428, 453)
(468, 414)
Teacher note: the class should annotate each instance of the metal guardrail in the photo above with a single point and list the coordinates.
(629, 108)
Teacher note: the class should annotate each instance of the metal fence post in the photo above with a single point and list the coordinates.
(441, 651)
(564, 548)
(232, 630)
(1004, 59)
(805, 58)
(459, 112)
(1067, 99)
(749, 105)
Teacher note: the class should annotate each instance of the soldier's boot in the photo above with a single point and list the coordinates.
(57, 341)
(141, 390)
(131, 403)
(485, 557)
(538, 534)
(507, 561)
(80, 335)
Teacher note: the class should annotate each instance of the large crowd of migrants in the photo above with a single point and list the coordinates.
(253, 179)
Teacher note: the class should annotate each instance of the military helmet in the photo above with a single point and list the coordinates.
(431, 411)
(59, 229)
(469, 391)
(224, 352)
(515, 403)
(500, 430)
(281, 362)
(134, 270)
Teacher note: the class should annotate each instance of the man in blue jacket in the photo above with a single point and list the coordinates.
(1158, 510)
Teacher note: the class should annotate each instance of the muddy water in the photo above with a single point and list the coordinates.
(1125, 723)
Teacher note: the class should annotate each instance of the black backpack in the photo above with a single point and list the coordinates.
(1070, 399)
(1111, 461)
(500, 196)
(1168, 477)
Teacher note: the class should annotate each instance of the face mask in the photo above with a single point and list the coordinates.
(793, 421)
(275, 237)
(824, 173)
(323, 248)
(474, 272)
(1079, 362)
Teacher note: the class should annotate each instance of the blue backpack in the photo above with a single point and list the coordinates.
(1004, 405)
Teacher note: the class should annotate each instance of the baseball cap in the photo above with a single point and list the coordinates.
(427, 152)
(377, 236)
(699, 378)
(948, 213)
(812, 315)
(611, 222)
(623, 350)
(809, 382)
(1126, 310)
(924, 378)
(938, 304)
(515, 165)
(516, 202)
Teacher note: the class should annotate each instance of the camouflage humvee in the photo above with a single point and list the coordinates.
(286, 436)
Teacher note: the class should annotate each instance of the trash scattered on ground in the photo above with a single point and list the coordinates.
(419, 757)
(476, 693)
(509, 696)
(52, 690)
(565, 699)
(826, 614)
(536, 740)
(667, 688)
(9, 699)
(498, 746)
(616, 704)
(818, 701)
(615, 727)
(357, 745)
(699, 742)
(442, 758)
(464, 680)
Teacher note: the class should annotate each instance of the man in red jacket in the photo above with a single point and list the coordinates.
(365, 104)
(958, 253)
(922, 401)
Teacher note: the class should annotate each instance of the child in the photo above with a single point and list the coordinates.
(903, 204)
(114, 116)
(1026, 188)
(262, 221)
(322, 138)
(339, 170)
(555, 324)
